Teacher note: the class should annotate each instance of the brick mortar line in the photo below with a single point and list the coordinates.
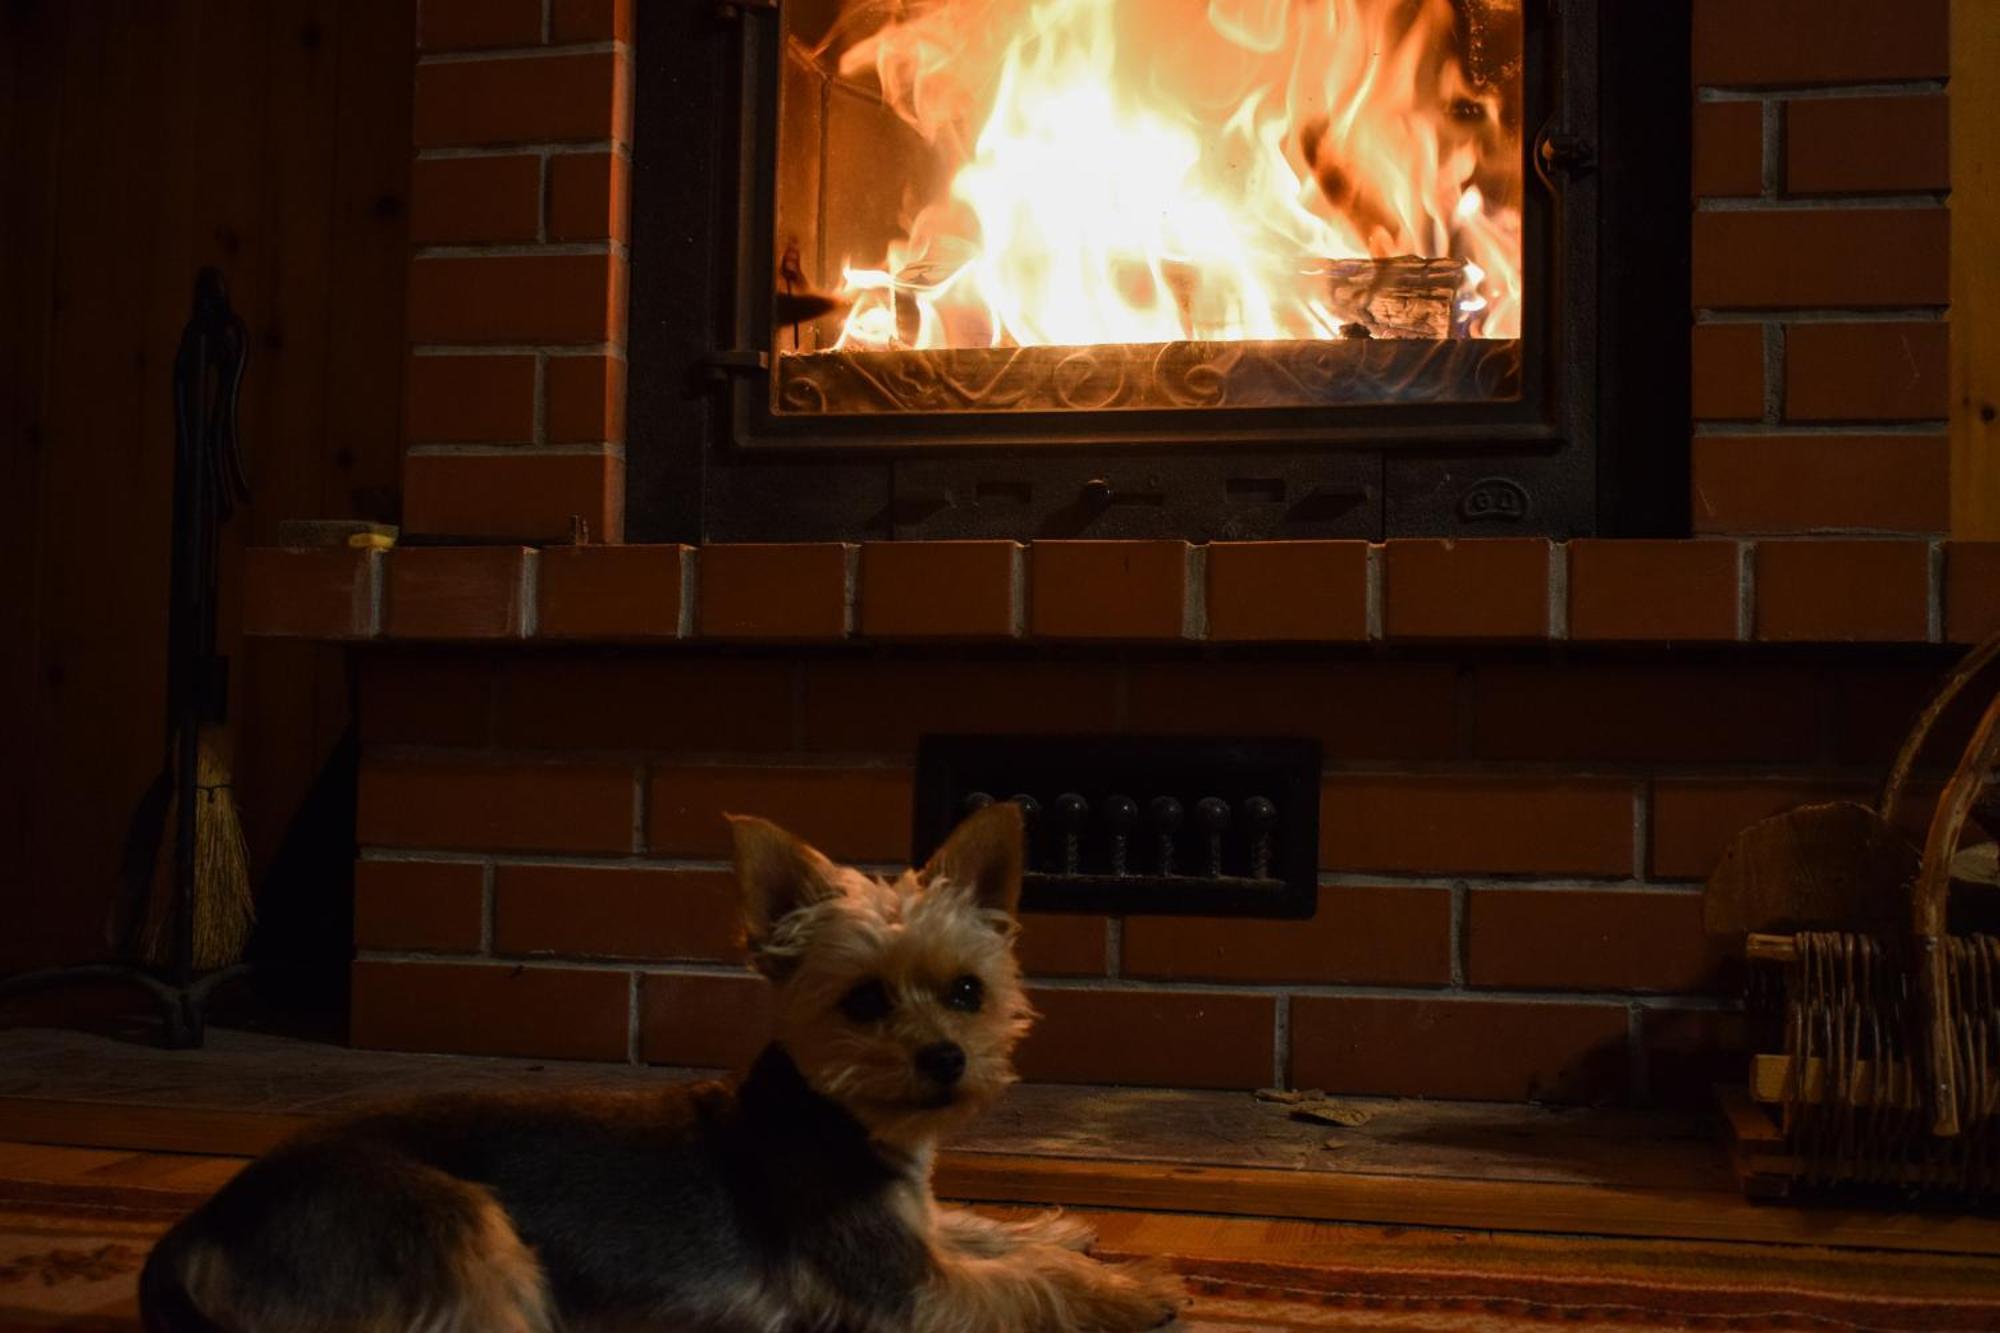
(1771, 148)
(1458, 944)
(488, 903)
(548, 20)
(1410, 881)
(1824, 430)
(538, 408)
(1642, 835)
(1746, 591)
(1929, 201)
(616, 351)
(690, 583)
(632, 1017)
(597, 48)
(1816, 92)
(529, 592)
(525, 250)
(530, 449)
(1374, 591)
(1604, 774)
(1647, 1000)
(525, 148)
(1774, 374)
(1194, 592)
(1934, 601)
(1558, 591)
(1281, 1042)
(1637, 1075)
(1922, 314)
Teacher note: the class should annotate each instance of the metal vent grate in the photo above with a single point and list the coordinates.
(1140, 825)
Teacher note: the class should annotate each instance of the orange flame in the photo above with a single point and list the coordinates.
(1154, 170)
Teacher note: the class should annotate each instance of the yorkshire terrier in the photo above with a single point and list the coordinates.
(796, 1198)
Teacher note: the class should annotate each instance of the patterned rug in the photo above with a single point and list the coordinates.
(75, 1268)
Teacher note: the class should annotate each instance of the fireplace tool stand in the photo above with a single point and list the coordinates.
(209, 482)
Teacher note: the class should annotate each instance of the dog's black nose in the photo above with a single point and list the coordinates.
(942, 1062)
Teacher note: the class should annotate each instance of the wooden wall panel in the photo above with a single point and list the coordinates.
(271, 138)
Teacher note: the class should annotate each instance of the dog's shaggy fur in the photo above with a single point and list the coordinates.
(797, 1198)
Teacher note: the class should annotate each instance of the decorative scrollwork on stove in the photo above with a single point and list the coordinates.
(1141, 376)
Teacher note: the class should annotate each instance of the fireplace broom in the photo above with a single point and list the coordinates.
(194, 909)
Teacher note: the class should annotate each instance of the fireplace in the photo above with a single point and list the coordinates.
(1159, 268)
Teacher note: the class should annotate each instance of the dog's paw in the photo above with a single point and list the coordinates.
(1055, 1228)
(1142, 1295)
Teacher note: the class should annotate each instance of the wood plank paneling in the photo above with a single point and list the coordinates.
(140, 142)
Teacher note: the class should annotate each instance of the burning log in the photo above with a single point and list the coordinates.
(1407, 297)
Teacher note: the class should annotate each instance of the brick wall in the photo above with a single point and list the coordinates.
(515, 392)
(1821, 266)
(1534, 751)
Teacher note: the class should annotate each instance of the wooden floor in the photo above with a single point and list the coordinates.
(1455, 1165)
(1545, 1214)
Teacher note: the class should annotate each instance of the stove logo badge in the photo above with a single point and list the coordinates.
(1494, 500)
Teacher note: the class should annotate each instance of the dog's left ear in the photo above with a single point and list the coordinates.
(985, 852)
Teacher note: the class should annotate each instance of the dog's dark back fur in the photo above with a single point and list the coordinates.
(682, 1203)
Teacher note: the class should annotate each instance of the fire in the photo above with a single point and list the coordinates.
(1144, 171)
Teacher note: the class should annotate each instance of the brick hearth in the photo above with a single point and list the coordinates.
(1535, 750)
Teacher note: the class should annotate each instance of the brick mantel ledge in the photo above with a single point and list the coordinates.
(1513, 590)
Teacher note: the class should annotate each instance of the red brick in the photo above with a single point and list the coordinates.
(1689, 1051)
(703, 1022)
(461, 25)
(1562, 939)
(1867, 372)
(1062, 944)
(1358, 710)
(474, 1009)
(1852, 145)
(527, 99)
(1482, 825)
(610, 592)
(854, 814)
(1971, 591)
(1489, 589)
(615, 912)
(1493, 1050)
(940, 590)
(774, 590)
(532, 298)
(585, 398)
(1778, 42)
(589, 197)
(1108, 589)
(1843, 591)
(1150, 1038)
(1783, 484)
(591, 20)
(446, 592)
(1661, 591)
(1694, 820)
(876, 707)
(1288, 592)
(515, 496)
(1875, 704)
(469, 400)
(412, 698)
(317, 594)
(1360, 935)
(515, 807)
(435, 906)
(1728, 362)
(1823, 257)
(1728, 148)
(1727, 713)
(467, 200)
(703, 705)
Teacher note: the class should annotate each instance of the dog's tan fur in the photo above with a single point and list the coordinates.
(799, 1198)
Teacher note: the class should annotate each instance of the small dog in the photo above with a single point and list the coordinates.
(798, 1198)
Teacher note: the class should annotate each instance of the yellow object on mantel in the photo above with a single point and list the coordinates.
(371, 541)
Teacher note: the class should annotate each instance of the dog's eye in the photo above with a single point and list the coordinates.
(965, 995)
(866, 1003)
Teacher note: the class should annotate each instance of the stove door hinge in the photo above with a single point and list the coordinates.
(739, 361)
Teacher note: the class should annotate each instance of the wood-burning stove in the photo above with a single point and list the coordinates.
(1133, 268)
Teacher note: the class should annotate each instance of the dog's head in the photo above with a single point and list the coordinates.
(899, 999)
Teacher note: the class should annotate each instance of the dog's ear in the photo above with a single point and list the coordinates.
(777, 875)
(985, 852)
